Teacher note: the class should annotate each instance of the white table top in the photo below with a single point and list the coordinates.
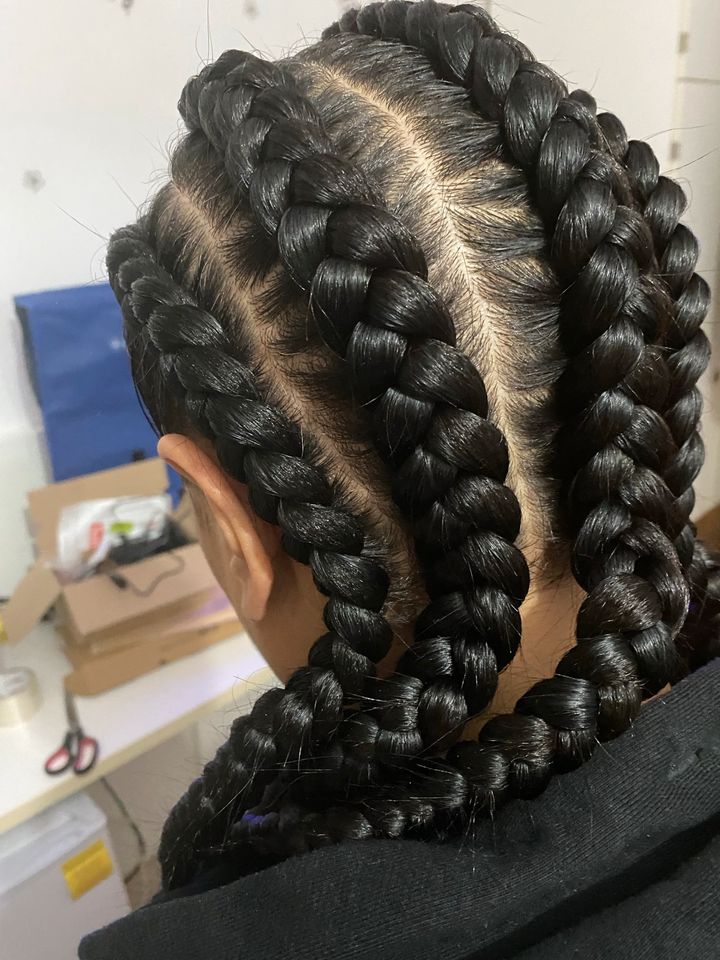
(126, 721)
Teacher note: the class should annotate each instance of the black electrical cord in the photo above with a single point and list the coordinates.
(125, 813)
(121, 581)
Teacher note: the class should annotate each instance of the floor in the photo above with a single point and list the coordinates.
(145, 884)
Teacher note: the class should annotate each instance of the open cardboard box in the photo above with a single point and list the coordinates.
(114, 634)
(99, 668)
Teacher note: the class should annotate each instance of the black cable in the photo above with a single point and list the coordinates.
(125, 813)
(121, 581)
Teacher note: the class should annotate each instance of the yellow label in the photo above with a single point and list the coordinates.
(121, 526)
(3, 634)
(87, 869)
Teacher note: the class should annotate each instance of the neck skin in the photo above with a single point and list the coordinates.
(548, 616)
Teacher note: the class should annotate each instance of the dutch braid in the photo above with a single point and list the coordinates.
(687, 352)
(258, 445)
(366, 278)
(614, 451)
(660, 199)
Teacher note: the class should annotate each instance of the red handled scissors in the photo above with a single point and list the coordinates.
(77, 750)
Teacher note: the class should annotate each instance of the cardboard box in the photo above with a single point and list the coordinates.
(96, 609)
(201, 614)
(97, 671)
(171, 605)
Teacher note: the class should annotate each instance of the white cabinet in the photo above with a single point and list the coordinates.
(62, 859)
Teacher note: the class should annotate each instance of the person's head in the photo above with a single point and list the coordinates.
(421, 332)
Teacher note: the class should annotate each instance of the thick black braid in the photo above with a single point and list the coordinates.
(614, 450)
(662, 202)
(636, 596)
(366, 279)
(687, 351)
(169, 334)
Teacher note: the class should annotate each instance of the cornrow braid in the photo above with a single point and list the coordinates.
(366, 279)
(612, 454)
(662, 201)
(202, 371)
(687, 352)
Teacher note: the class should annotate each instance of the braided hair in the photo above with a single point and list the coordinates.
(489, 62)
(365, 335)
(687, 351)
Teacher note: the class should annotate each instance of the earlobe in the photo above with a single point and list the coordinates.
(255, 587)
(248, 561)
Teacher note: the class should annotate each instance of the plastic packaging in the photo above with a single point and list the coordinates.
(88, 531)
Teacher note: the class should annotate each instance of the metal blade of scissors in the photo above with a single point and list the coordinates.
(71, 711)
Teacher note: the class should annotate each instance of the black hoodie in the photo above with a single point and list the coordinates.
(620, 859)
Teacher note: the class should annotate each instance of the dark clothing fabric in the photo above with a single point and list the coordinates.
(620, 858)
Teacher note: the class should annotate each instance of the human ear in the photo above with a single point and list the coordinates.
(250, 566)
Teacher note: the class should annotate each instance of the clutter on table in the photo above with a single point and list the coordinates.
(129, 585)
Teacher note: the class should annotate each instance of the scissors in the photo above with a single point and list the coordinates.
(77, 750)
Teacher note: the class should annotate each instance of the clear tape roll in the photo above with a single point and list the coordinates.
(19, 696)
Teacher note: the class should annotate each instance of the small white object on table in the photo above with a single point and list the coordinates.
(126, 721)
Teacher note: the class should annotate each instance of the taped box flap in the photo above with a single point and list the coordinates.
(32, 598)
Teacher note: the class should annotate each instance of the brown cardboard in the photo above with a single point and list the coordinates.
(204, 610)
(113, 633)
(32, 598)
(94, 674)
(97, 609)
(97, 605)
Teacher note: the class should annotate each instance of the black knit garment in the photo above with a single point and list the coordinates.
(619, 859)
